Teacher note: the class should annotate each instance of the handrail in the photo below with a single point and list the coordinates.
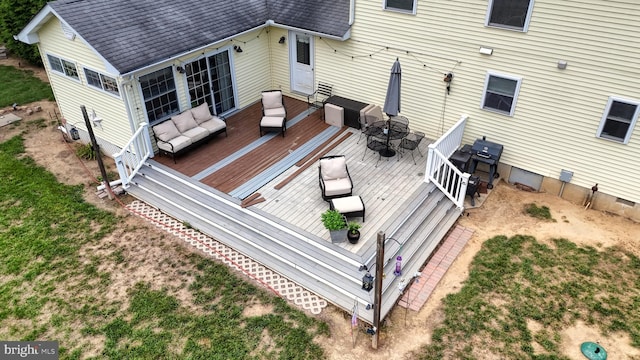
(133, 155)
(441, 171)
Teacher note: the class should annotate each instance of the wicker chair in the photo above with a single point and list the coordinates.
(334, 178)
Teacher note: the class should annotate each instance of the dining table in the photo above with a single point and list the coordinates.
(390, 130)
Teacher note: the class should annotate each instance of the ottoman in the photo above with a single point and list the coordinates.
(273, 123)
(349, 206)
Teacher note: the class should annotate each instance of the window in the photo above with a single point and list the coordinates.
(401, 5)
(500, 93)
(64, 67)
(509, 14)
(102, 82)
(160, 96)
(618, 120)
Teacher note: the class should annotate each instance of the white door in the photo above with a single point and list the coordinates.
(301, 60)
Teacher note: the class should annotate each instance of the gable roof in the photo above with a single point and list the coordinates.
(130, 35)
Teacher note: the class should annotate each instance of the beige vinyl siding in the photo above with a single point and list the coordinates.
(557, 112)
(115, 127)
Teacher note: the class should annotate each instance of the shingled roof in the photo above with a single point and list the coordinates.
(132, 34)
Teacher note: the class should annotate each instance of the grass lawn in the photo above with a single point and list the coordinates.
(21, 87)
(518, 282)
(50, 289)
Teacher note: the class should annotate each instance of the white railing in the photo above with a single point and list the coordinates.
(441, 171)
(134, 154)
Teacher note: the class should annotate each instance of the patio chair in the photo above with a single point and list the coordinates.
(371, 114)
(274, 113)
(334, 178)
(319, 97)
(376, 145)
(411, 142)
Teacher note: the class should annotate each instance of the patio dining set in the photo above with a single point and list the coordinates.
(389, 137)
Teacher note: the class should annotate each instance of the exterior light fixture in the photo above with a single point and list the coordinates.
(282, 40)
(180, 69)
(486, 50)
(237, 48)
(367, 282)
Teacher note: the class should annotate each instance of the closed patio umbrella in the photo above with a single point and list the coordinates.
(392, 101)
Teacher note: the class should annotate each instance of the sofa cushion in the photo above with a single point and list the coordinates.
(214, 124)
(337, 187)
(334, 168)
(196, 133)
(271, 99)
(272, 121)
(201, 113)
(184, 121)
(277, 112)
(180, 142)
(166, 131)
(375, 111)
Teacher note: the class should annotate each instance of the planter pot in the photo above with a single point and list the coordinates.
(338, 236)
(353, 236)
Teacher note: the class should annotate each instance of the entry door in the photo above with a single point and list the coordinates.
(301, 60)
(210, 79)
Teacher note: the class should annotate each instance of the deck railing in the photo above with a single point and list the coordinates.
(134, 154)
(441, 171)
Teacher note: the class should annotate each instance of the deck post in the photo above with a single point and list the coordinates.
(377, 300)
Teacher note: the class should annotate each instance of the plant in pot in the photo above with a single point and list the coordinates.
(353, 232)
(336, 224)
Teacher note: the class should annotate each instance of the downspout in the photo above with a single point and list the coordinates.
(352, 12)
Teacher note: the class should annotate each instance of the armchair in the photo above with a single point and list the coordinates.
(334, 178)
(319, 97)
(274, 113)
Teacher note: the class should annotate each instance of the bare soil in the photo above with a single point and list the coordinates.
(153, 256)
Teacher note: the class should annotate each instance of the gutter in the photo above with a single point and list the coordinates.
(315, 33)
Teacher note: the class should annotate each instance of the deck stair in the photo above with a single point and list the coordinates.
(332, 272)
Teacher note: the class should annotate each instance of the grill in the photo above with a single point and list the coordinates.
(489, 153)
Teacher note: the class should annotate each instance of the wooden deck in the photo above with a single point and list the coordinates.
(283, 231)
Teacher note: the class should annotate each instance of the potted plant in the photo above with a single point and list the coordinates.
(353, 232)
(336, 224)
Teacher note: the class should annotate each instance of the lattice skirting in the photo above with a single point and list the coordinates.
(282, 286)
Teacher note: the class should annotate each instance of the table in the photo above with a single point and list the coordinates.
(351, 109)
(390, 130)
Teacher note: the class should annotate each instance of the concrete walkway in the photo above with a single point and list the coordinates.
(420, 290)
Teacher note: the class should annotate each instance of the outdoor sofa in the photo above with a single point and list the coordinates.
(187, 129)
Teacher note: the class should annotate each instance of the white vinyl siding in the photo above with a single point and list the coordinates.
(70, 95)
(509, 14)
(102, 82)
(500, 93)
(408, 6)
(618, 120)
(63, 67)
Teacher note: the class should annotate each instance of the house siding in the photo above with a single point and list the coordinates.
(70, 94)
(557, 112)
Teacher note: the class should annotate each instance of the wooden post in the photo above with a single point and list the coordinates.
(377, 300)
(96, 149)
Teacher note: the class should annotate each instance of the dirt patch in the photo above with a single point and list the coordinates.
(156, 257)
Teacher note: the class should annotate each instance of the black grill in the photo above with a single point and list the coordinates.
(489, 153)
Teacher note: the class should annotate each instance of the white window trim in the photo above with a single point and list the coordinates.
(605, 114)
(143, 100)
(101, 89)
(62, 73)
(515, 93)
(412, 12)
(525, 28)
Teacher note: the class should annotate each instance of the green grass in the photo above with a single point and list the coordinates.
(518, 280)
(538, 212)
(49, 290)
(21, 87)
